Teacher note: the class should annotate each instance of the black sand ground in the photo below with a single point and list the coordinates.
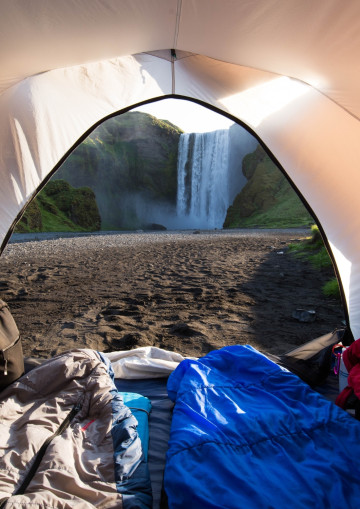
(180, 291)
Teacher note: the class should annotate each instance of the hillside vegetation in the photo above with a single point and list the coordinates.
(267, 199)
(60, 207)
(313, 250)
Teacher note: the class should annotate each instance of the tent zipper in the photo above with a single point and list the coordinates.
(39, 456)
(4, 352)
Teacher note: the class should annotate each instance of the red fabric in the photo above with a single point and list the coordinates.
(354, 380)
(351, 355)
(351, 358)
(343, 397)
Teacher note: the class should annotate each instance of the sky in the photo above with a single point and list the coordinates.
(189, 116)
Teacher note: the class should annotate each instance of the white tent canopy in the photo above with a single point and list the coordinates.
(288, 69)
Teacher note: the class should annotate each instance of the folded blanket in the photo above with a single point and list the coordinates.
(248, 433)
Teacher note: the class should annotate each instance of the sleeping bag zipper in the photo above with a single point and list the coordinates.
(39, 456)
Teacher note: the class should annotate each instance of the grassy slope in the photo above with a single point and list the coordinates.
(52, 209)
(313, 250)
(287, 212)
(53, 219)
(267, 200)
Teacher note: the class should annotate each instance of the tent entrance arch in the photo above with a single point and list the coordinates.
(216, 110)
(156, 101)
(243, 268)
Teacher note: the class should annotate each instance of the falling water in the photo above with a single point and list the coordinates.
(203, 182)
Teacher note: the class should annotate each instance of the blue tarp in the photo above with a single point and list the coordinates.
(246, 433)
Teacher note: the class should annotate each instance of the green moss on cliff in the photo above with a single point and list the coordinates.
(267, 199)
(60, 207)
(31, 221)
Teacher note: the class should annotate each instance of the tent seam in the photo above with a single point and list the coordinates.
(177, 23)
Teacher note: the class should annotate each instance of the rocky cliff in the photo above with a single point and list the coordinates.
(130, 162)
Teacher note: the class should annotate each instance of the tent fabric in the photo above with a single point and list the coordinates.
(247, 433)
(288, 69)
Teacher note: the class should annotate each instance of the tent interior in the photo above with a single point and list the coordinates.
(285, 69)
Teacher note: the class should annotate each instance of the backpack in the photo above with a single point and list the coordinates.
(11, 353)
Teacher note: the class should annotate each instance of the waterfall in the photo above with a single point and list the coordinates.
(203, 195)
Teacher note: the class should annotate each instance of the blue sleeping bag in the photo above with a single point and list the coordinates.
(140, 408)
(248, 434)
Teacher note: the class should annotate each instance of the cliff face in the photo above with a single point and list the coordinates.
(130, 162)
(267, 199)
(241, 143)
